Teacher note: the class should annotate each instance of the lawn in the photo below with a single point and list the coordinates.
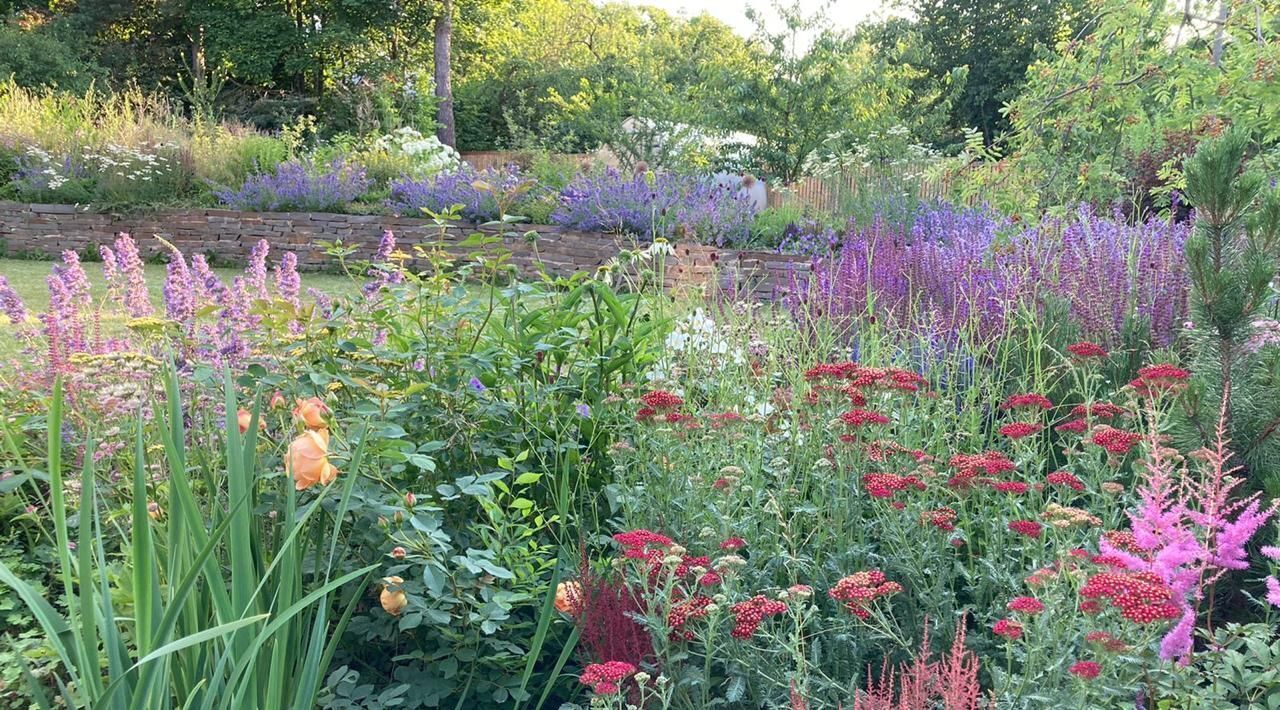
(27, 278)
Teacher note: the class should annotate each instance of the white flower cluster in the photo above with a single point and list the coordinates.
(146, 162)
(36, 156)
(428, 155)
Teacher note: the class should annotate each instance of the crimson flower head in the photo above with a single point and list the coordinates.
(1026, 605)
(1073, 426)
(661, 400)
(860, 590)
(884, 485)
(1106, 641)
(1115, 441)
(1030, 400)
(606, 678)
(1155, 380)
(1085, 669)
(1008, 628)
(942, 518)
(1015, 487)
(732, 544)
(750, 614)
(1086, 350)
(1020, 430)
(1141, 597)
(862, 417)
(1026, 528)
(1065, 478)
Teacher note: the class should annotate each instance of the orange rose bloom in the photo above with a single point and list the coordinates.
(569, 598)
(276, 401)
(393, 598)
(311, 412)
(243, 417)
(308, 460)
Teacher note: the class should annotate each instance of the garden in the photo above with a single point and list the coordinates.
(1010, 439)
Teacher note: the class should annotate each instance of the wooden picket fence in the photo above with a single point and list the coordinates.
(832, 193)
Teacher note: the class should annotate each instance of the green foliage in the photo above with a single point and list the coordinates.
(1231, 260)
(1242, 670)
(41, 57)
(1111, 114)
(995, 40)
(201, 603)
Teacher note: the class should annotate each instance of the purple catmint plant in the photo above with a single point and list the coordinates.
(11, 304)
(256, 271)
(127, 279)
(296, 185)
(288, 280)
(475, 194)
(676, 207)
(179, 292)
(382, 271)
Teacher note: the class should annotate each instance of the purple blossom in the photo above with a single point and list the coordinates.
(135, 298)
(584, 411)
(474, 193)
(476, 385)
(295, 185)
(957, 271)
(288, 280)
(382, 272)
(179, 292)
(324, 304)
(672, 206)
(256, 271)
(1273, 591)
(11, 304)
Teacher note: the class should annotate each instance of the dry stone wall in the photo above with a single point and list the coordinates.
(227, 236)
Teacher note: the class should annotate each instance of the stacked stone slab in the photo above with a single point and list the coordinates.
(227, 236)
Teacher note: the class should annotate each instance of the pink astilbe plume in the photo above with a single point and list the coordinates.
(950, 683)
(1189, 530)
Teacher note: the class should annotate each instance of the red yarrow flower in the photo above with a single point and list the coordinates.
(1085, 669)
(1025, 605)
(884, 485)
(1008, 628)
(1106, 641)
(733, 543)
(941, 518)
(1155, 380)
(661, 400)
(1141, 597)
(1026, 528)
(1075, 426)
(1020, 430)
(1115, 441)
(606, 678)
(1030, 400)
(1014, 487)
(863, 417)
(1098, 410)
(750, 614)
(1085, 350)
(1064, 478)
(860, 590)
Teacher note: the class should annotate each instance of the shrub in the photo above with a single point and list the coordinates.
(301, 186)
(483, 196)
(664, 205)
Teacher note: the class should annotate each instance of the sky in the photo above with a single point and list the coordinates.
(844, 13)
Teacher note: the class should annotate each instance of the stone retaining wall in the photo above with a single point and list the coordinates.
(227, 237)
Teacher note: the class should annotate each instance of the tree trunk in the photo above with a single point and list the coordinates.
(1219, 37)
(444, 88)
